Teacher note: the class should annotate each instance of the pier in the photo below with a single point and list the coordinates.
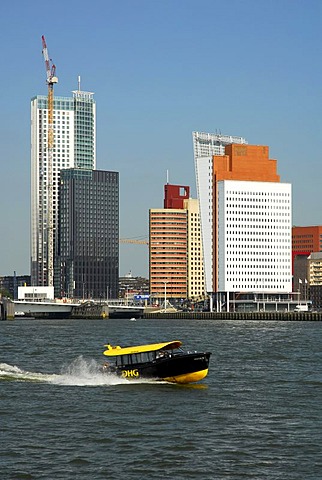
(264, 316)
(91, 310)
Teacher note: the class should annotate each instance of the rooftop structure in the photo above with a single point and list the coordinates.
(208, 144)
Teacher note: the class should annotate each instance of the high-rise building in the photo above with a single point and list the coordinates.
(205, 146)
(168, 252)
(245, 221)
(176, 260)
(74, 146)
(87, 261)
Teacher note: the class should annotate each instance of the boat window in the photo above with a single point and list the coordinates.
(163, 353)
(152, 356)
(143, 357)
(137, 357)
(123, 360)
(118, 361)
(131, 359)
(128, 359)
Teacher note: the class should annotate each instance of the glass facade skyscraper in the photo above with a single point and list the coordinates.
(74, 146)
(86, 264)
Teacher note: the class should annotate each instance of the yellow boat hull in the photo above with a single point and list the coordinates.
(188, 377)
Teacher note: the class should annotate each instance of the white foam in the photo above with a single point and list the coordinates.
(80, 372)
(12, 372)
(5, 368)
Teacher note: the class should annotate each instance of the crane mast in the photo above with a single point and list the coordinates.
(51, 80)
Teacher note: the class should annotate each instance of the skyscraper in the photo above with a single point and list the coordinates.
(205, 146)
(168, 252)
(175, 251)
(74, 146)
(245, 220)
(87, 260)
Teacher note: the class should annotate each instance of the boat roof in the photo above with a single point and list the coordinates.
(113, 351)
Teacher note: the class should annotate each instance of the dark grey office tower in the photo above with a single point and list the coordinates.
(87, 252)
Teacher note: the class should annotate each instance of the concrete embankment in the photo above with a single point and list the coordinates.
(281, 316)
(7, 311)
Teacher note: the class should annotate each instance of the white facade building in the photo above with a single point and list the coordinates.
(74, 146)
(254, 236)
(35, 294)
(205, 145)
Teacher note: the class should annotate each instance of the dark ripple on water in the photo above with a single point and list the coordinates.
(256, 416)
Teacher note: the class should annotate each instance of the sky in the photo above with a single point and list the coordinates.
(161, 69)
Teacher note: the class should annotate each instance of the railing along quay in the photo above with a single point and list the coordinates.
(281, 316)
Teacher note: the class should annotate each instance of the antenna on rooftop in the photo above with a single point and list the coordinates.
(79, 83)
(167, 177)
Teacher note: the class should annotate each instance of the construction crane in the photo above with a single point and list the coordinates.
(51, 80)
(132, 240)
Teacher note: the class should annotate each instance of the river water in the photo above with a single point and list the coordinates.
(258, 414)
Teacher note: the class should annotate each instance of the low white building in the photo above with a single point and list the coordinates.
(35, 293)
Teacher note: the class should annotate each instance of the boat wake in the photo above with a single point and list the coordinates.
(79, 373)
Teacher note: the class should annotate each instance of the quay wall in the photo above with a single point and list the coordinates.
(7, 310)
(281, 316)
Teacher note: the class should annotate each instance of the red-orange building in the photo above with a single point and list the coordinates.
(306, 239)
(168, 252)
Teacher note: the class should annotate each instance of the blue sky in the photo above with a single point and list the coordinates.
(160, 70)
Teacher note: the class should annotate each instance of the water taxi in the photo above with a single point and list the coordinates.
(161, 361)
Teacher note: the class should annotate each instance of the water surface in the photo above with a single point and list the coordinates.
(257, 415)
